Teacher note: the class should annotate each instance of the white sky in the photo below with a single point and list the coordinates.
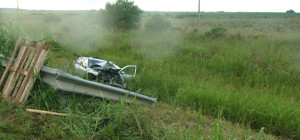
(162, 5)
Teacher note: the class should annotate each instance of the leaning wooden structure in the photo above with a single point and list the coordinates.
(21, 74)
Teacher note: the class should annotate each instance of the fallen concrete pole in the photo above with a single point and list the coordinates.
(62, 81)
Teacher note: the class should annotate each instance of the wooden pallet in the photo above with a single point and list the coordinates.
(24, 70)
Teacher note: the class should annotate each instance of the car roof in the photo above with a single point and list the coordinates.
(95, 58)
(102, 61)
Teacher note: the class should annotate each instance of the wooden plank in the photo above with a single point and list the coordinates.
(57, 114)
(37, 69)
(47, 46)
(13, 68)
(12, 82)
(17, 87)
(32, 52)
(20, 41)
(31, 67)
(12, 76)
(46, 112)
(23, 72)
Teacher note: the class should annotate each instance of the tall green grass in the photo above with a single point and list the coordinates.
(254, 78)
(94, 119)
(8, 36)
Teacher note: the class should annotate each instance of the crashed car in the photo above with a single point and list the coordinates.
(97, 69)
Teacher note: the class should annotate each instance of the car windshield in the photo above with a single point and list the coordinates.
(101, 63)
(94, 61)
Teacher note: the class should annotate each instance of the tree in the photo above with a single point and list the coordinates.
(290, 11)
(123, 15)
(157, 23)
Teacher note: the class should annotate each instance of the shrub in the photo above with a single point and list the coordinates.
(290, 11)
(216, 32)
(157, 23)
(122, 15)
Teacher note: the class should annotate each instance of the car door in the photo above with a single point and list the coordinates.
(128, 72)
(80, 67)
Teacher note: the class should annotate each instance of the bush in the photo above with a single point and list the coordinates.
(216, 32)
(290, 11)
(122, 15)
(157, 23)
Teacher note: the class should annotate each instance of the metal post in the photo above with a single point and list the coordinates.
(199, 18)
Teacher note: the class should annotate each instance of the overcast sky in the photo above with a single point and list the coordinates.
(162, 5)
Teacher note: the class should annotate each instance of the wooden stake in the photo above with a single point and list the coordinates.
(55, 113)
(46, 112)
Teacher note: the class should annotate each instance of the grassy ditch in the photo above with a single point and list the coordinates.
(254, 80)
(102, 119)
(249, 78)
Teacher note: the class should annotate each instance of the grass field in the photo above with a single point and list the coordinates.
(244, 70)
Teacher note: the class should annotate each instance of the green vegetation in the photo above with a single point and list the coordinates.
(123, 15)
(243, 70)
(8, 37)
(216, 32)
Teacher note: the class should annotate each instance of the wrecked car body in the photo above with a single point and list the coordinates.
(97, 69)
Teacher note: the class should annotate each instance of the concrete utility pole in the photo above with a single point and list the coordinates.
(17, 11)
(199, 18)
(18, 7)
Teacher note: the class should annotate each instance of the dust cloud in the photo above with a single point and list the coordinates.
(81, 32)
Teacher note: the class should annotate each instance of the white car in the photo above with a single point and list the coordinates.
(95, 68)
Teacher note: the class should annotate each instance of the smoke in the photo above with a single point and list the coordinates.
(74, 30)
(80, 32)
(157, 45)
(157, 39)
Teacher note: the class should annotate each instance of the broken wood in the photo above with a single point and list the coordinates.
(56, 113)
(37, 68)
(24, 70)
(46, 112)
(31, 67)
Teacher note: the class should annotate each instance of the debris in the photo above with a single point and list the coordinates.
(46, 112)
(55, 113)
(68, 83)
(95, 68)
(62, 81)
(24, 70)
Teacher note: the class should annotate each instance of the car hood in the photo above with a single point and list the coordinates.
(107, 65)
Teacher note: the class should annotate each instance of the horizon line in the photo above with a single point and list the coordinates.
(154, 11)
